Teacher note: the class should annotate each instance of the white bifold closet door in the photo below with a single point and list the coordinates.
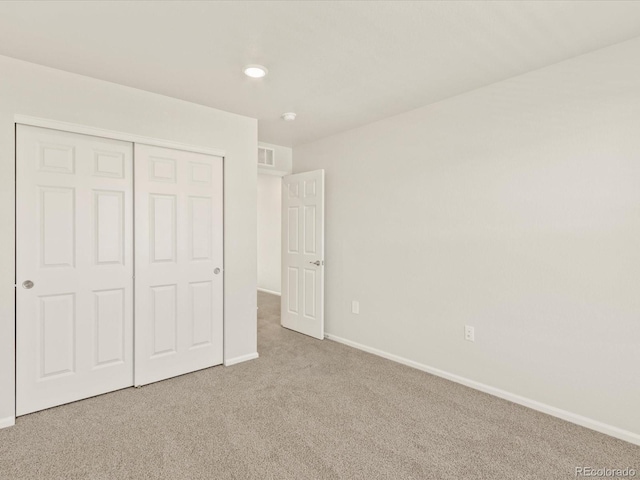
(74, 267)
(178, 262)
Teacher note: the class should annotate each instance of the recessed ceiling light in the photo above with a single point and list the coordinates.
(289, 116)
(255, 71)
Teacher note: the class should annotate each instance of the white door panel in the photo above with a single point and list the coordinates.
(302, 303)
(74, 228)
(179, 234)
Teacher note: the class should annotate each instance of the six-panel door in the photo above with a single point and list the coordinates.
(179, 261)
(74, 267)
(302, 301)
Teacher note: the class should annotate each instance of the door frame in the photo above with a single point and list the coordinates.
(113, 135)
(126, 137)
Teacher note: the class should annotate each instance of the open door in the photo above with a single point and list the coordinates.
(302, 304)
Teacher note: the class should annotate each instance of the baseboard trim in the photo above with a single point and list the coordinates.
(7, 422)
(243, 358)
(601, 427)
(269, 291)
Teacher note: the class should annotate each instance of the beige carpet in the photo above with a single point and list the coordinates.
(306, 409)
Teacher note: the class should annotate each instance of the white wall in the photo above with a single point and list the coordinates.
(269, 232)
(33, 90)
(514, 208)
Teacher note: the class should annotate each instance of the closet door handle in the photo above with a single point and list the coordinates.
(28, 284)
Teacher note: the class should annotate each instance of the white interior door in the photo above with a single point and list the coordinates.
(179, 262)
(74, 267)
(302, 303)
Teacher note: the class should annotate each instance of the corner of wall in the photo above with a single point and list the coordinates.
(7, 422)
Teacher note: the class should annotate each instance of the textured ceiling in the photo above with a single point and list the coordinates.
(338, 65)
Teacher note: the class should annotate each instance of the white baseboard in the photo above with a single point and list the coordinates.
(616, 432)
(7, 422)
(243, 358)
(269, 291)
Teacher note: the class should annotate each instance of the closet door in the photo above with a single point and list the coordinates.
(74, 267)
(179, 261)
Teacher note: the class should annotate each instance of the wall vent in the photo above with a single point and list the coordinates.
(266, 157)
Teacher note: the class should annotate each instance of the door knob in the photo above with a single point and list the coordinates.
(27, 284)
(216, 270)
(316, 263)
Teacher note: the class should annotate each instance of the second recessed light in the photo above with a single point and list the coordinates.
(255, 71)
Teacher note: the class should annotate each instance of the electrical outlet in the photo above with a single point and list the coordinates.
(355, 307)
(469, 333)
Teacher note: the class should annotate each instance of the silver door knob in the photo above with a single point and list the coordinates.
(316, 263)
(27, 284)
(216, 270)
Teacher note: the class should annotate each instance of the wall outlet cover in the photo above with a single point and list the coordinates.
(469, 333)
(355, 307)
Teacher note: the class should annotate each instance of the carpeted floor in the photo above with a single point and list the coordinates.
(306, 409)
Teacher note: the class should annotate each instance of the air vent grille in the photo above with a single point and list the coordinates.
(266, 157)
